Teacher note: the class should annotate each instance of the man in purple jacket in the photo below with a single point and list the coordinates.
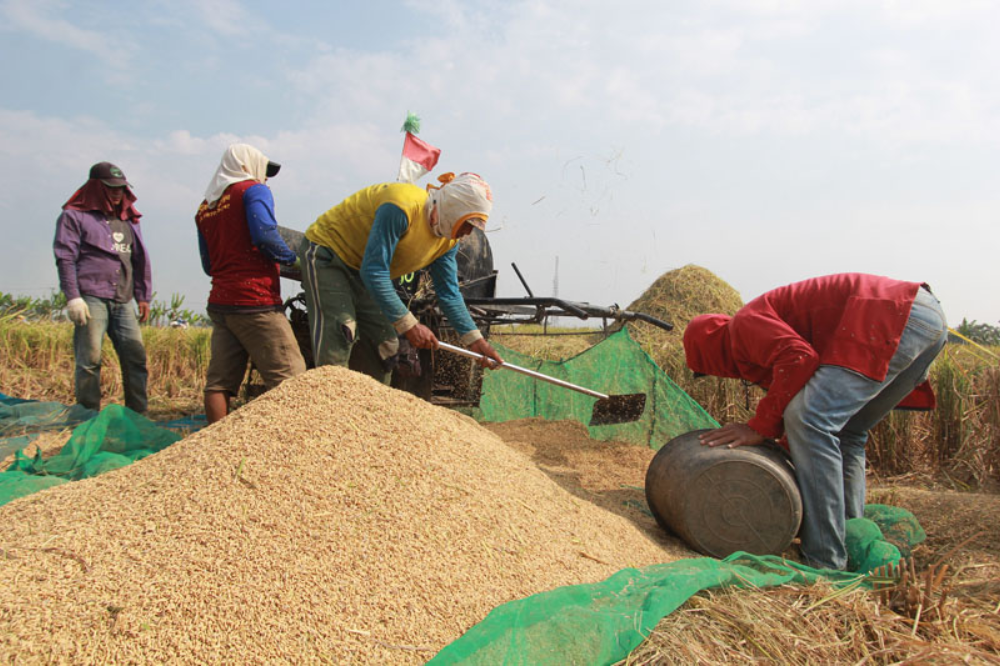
(103, 264)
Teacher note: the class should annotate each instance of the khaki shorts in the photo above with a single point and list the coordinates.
(266, 338)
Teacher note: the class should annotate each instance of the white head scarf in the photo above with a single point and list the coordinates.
(462, 198)
(240, 162)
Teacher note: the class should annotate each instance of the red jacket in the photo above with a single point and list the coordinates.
(780, 338)
(241, 274)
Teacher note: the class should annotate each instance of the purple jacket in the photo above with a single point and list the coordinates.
(87, 262)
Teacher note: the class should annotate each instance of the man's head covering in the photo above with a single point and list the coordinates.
(462, 198)
(708, 348)
(95, 195)
(109, 174)
(240, 162)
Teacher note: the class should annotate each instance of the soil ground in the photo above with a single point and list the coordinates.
(962, 527)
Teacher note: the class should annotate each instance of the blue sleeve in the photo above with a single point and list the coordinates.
(206, 263)
(444, 273)
(258, 202)
(389, 226)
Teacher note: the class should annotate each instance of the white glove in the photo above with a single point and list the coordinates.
(78, 311)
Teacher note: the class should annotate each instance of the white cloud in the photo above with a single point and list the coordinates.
(27, 138)
(37, 17)
(923, 11)
(183, 143)
(226, 17)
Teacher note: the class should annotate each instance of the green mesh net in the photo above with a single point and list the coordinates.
(898, 527)
(19, 416)
(601, 623)
(616, 365)
(116, 437)
(18, 484)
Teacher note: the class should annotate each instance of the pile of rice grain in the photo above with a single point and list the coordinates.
(332, 519)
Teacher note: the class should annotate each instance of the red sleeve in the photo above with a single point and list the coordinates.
(769, 351)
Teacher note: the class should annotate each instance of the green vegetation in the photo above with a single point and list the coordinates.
(36, 362)
(983, 334)
(53, 308)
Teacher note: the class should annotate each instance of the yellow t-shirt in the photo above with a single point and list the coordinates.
(345, 228)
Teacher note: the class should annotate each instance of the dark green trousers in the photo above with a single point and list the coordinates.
(346, 326)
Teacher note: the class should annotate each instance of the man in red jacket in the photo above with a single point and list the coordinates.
(836, 354)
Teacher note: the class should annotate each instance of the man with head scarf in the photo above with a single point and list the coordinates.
(836, 354)
(351, 254)
(103, 265)
(241, 249)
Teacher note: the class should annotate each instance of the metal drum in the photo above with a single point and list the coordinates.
(721, 500)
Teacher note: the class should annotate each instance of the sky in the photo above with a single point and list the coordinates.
(768, 141)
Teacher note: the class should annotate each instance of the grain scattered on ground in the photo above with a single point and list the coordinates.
(611, 475)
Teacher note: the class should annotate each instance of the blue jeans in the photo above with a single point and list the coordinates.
(118, 320)
(827, 425)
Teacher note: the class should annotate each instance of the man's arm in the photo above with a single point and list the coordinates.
(389, 226)
(206, 260)
(66, 248)
(762, 340)
(143, 282)
(258, 202)
(444, 273)
(765, 340)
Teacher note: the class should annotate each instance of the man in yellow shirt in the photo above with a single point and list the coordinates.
(351, 254)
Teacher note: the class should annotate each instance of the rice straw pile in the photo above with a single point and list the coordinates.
(678, 296)
(819, 625)
(331, 520)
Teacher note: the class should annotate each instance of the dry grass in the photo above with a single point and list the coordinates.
(547, 343)
(37, 364)
(793, 625)
(37, 360)
(957, 443)
(815, 625)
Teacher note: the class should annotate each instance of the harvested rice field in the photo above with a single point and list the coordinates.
(332, 520)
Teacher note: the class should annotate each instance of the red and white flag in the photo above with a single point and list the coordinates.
(419, 157)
